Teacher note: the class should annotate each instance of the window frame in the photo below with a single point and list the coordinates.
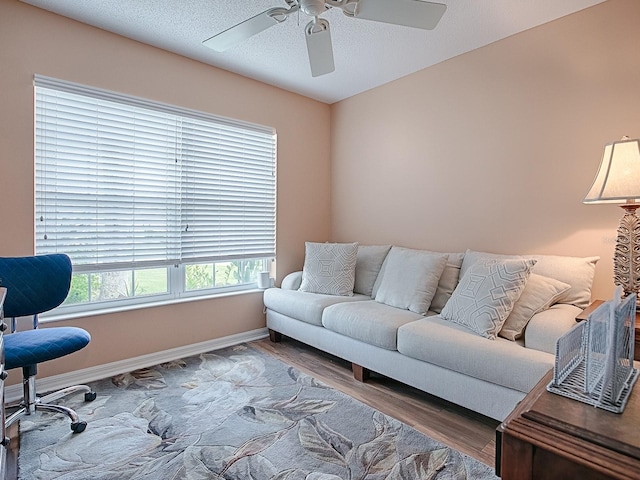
(176, 281)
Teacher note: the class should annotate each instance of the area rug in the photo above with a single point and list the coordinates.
(235, 414)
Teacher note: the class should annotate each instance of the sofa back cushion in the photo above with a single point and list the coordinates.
(576, 271)
(368, 263)
(410, 278)
(329, 268)
(448, 282)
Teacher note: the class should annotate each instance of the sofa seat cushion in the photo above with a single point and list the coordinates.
(304, 306)
(448, 345)
(370, 322)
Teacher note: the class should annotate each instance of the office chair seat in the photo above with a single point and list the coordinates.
(36, 346)
(36, 285)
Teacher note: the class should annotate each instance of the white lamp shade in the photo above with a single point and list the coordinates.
(618, 178)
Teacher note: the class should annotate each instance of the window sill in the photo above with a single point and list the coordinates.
(155, 304)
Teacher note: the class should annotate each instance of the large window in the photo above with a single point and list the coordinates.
(150, 201)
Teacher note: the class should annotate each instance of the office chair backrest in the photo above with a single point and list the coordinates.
(34, 284)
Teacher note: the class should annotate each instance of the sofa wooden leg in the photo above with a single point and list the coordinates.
(274, 336)
(360, 373)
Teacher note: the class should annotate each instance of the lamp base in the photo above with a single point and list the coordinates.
(626, 260)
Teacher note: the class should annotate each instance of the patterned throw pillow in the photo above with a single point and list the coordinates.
(329, 268)
(486, 294)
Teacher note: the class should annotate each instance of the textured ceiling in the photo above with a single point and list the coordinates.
(367, 54)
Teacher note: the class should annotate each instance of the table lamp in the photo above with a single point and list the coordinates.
(618, 181)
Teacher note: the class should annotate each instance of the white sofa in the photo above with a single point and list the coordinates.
(426, 350)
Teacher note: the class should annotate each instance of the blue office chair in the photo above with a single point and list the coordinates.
(36, 285)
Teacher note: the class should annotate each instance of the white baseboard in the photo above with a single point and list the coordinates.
(13, 393)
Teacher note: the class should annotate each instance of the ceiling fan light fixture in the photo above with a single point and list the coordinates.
(318, 35)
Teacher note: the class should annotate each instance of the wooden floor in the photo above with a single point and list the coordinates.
(12, 452)
(466, 431)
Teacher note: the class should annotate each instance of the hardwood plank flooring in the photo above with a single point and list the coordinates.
(457, 427)
(12, 452)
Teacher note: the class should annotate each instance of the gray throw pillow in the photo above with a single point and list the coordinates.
(410, 278)
(368, 263)
(329, 268)
(485, 296)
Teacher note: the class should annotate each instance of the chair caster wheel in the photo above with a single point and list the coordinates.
(90, 397)
(78, 427)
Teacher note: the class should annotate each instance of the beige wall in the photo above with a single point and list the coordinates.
(35, 41)
(494, 150)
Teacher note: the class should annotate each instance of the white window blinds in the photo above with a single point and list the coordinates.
(123, 182)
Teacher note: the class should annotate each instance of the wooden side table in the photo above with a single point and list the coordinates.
(596, 303)
(552, 437)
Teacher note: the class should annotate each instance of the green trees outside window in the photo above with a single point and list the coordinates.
(122, 284)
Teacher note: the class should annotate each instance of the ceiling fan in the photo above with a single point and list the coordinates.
(410, 13)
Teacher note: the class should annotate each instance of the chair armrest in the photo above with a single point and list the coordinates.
(292, 281)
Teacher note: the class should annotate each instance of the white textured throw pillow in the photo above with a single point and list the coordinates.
(329, 268)
(538, 295)
(410, 278)
(486, 294)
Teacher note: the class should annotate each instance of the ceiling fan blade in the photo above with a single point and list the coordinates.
(410, 13)
(319, 47)
(244, 30)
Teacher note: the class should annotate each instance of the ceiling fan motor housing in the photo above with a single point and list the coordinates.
(312, 7)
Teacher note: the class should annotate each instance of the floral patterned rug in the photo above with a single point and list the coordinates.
(235, 414)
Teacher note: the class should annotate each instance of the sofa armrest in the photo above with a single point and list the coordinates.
(292, 281)
(544, 329)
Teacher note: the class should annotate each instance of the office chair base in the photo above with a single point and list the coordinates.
(42, 404)
(89, 395)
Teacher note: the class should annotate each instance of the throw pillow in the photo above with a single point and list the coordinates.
(410, 279)
(368, 263)
(538, 295)
(329, 268)
(486, 294)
